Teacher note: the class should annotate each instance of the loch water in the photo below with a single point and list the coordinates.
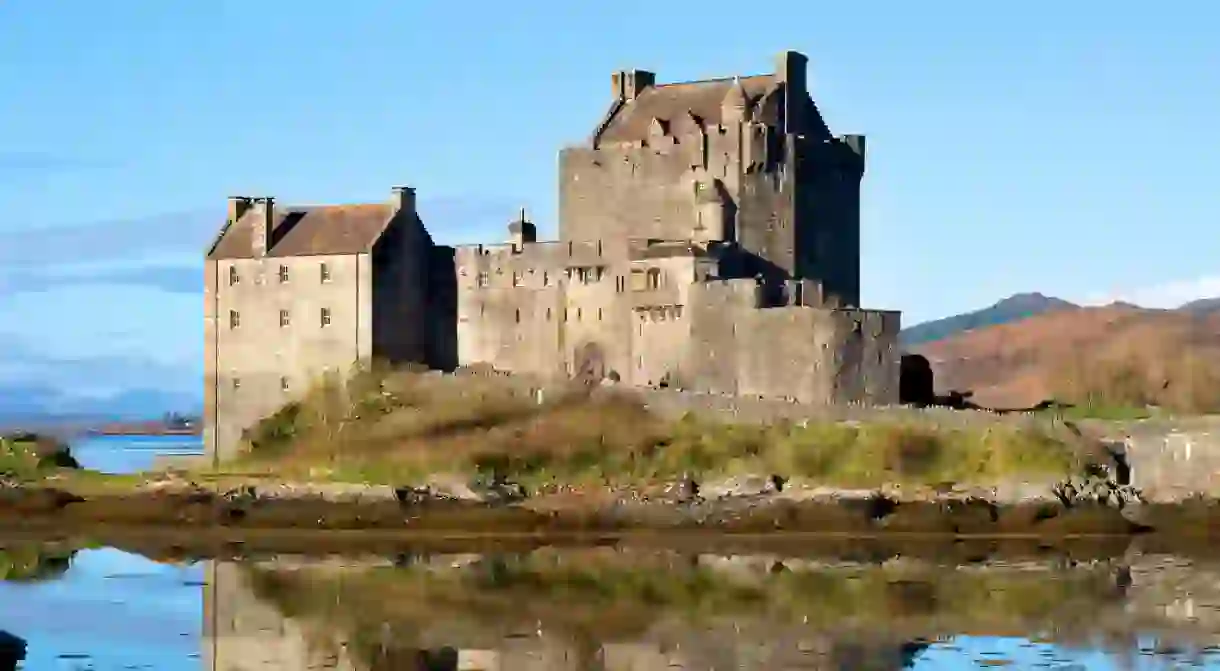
(77, 607)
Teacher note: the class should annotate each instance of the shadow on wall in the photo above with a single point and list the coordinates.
(12, 651)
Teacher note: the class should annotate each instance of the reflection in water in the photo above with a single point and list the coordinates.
(578, 610)
(602, 609)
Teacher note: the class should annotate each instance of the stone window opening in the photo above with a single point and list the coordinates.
(516, 279)
(325, 317)
(234, 319)
(234, 278)
(579, 313)
(482, 280)
(654, 278)
(283, 384)
(237, 383)
(283, 274)
(285, 319)
(565, 314)
(548, 314)
(599, 314)
(324, 272)
(546, 279)
(518, 315)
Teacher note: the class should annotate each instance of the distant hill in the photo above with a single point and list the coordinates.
(1203, 305)
(34, 405)
(1114, 355)
(1013, 308)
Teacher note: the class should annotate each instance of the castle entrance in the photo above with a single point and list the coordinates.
(590, 365)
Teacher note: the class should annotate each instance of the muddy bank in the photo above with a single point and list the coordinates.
(863, 514)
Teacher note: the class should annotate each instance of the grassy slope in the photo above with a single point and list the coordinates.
(399, 427)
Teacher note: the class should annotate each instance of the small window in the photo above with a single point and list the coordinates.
(234, 319)
(548, 314)
(599, 314)
(518, 315)
(234, 278)
(283, 274)
(283, 384)
(579, 313)
(482, 280)
(285, 318)
(546, 279)
(516, 279)
(325, 316)
(324, 271)
(237, 383)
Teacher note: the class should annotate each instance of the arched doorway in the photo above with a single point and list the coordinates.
(590, 365)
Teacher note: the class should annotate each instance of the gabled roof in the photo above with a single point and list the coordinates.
(307, 231)
(672, 102)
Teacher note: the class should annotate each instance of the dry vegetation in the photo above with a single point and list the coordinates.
(1097, 357)
(399, 427)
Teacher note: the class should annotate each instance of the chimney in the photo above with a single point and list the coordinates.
(402, 199)
(238, 205)
(790, 70)
(629, 84)
(260, 239)
(522, 232)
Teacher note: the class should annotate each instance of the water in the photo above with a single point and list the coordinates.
(580, 609)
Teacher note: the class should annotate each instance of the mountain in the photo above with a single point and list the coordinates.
(1118, 355)
(1013, 308)
(1203, 305)
(41, 404)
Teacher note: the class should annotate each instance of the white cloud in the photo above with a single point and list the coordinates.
(1168, 295)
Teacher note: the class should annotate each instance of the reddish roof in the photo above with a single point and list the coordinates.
(307, 231)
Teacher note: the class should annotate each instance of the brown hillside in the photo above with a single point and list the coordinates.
(1112, 355)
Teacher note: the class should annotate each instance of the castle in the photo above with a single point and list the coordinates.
(709, 239)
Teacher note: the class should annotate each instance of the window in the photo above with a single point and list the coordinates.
(285, 318)
(516, 279)
(283, 384)
(324, 271)
(234, 319)
(548, 314)
(237, 383)
(546, 279)
(481, 281)
(325, 316)
(518, 315)
(599, 314)
(234, 278)
(654, 278)
(283, 274)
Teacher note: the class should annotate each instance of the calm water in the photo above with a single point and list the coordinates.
(596, 609)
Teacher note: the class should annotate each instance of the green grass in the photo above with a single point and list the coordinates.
(30, 457)
(396, 428)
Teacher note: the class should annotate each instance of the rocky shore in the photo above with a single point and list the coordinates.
(741, 505)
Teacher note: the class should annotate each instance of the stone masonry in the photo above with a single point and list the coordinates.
(709, 239)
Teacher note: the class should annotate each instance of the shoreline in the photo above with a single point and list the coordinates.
(270, 509)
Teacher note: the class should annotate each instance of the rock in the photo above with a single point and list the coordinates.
(739, 485)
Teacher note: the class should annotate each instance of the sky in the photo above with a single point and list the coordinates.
(1067, 148)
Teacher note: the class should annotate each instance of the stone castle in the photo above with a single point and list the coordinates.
(709, 239)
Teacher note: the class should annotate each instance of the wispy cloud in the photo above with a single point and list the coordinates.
(1167, 295)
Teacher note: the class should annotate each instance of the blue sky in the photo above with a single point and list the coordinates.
(1068, 148)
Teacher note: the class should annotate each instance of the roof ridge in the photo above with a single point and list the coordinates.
(714, 80)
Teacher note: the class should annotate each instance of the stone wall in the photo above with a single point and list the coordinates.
(1170, 459)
